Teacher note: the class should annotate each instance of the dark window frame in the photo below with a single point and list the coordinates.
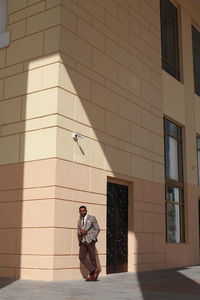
(179, 184)
(170, 60)
(196, 58)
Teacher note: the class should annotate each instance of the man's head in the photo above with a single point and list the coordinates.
(83, 211)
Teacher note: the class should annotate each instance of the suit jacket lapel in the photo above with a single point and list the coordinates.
(80, 223)
(87, 224)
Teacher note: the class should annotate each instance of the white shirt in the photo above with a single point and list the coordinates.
(84, 221)
(83, 238)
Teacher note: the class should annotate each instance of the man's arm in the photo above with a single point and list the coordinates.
(96, 228)
(78, 232)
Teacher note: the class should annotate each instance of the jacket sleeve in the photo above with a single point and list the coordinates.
(78, 232)
(96, 228)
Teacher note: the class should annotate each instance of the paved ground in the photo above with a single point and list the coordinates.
(173, 284)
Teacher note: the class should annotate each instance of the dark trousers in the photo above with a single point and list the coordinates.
(85, 249)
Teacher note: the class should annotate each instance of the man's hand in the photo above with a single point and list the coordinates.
(82, 231)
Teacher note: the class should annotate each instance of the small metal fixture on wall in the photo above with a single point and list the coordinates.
(76, 136)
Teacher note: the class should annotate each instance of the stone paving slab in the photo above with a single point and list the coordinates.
(172, 284)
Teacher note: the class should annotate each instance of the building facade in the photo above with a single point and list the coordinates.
(124, 75)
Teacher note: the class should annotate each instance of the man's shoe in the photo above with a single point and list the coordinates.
(90, 277)
(96, 274)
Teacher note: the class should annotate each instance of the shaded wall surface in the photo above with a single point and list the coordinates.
(92, 67)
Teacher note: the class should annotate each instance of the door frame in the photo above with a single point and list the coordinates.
(199, 221)
(129, 184)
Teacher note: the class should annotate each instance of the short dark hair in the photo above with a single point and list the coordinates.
(82, 207)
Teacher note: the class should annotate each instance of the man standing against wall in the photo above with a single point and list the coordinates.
(88, 230)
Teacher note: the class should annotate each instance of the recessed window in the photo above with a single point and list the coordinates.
(170, 38)
(174, 189)
(196, 59)
(198, 159)
(4, 36)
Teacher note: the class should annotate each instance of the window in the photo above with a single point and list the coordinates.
(170, 38)
(174, 197)
(196, 59)
(198, 158)
(4, 36)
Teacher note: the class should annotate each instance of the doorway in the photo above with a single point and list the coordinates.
(117, 228)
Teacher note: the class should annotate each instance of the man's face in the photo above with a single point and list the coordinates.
(83, 212)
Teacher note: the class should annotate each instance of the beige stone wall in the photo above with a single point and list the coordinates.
(111, 67)
(182, 105)
(91, 67)
(29, 75)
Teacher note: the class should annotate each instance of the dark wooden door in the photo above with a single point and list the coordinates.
(117, 228)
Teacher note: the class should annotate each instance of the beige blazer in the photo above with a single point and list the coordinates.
(92, 228)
